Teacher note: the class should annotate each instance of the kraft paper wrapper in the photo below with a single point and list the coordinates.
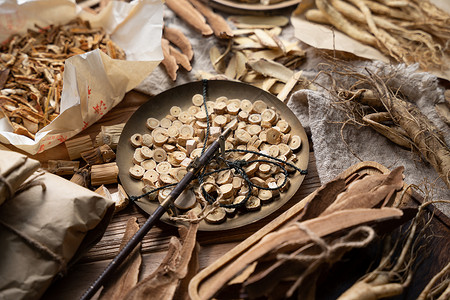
(322, 37)
(93, 82)
(14, 170)
(60, 218)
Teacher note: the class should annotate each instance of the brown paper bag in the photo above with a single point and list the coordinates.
(14, 170)
(41, 229)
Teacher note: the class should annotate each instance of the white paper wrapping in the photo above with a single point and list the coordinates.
(93, 82)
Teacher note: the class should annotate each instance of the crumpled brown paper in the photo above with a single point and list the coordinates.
(14, 170)
(93, 82)
(41, 230)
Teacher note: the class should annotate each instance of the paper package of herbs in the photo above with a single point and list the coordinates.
(59, 76)
(45, 224)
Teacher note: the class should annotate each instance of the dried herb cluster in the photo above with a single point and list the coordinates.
(32, 67)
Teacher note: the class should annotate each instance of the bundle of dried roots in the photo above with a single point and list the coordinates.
(368, 100)
(409, 31)
(395, 271)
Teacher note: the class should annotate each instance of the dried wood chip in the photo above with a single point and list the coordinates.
(258, 22)
(271, 69)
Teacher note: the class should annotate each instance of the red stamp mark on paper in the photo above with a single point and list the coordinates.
(11, 22)
(41, 148)
(61, 138)
(85, 125)
(100, 108)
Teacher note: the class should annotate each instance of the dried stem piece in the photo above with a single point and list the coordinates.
(78, 145)
(99, 155)
(109, 135)
(188, 13)
(81, 176)
(217, 23)
(104, 174)
(63, 167)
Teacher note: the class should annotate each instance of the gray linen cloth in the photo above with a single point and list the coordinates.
(317, 114)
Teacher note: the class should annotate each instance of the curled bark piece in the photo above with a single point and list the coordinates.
(217, 23)
(169, 62)
(162, 283)
(368, 192)
(192, 16)
(271, 69)
(177, 37)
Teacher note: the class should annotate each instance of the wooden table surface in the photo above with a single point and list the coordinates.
(155, 243)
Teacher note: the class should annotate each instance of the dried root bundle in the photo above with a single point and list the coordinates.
(409, 31)
(369, 101)
(32, 66)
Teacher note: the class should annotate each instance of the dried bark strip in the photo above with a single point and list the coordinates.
(127, 275)
(162, 283)
(321, 226)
